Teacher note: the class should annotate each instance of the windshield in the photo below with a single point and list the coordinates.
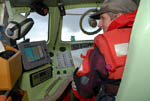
(71, 28)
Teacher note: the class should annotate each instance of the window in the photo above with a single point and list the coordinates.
(71, 27)
(39, 31)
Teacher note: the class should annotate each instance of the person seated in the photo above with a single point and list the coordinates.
(102, 68)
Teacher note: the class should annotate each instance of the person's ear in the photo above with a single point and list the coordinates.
(119, 14)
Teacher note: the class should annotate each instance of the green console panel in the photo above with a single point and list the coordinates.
(42, 83)
(30, 81)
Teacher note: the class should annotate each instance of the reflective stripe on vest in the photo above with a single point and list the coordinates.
(121, 49)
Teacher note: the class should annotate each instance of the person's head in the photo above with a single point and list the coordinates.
(106, 19)
(112, 9)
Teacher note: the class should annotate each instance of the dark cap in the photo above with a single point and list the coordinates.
(115, 6)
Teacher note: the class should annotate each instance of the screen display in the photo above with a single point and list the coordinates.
(33, 53)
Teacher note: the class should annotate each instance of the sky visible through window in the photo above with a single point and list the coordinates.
(71, 26)
(39, 31)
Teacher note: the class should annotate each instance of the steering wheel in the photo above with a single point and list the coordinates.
(92, 22)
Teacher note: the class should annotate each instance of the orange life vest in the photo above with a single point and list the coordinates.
(116, 37)
(113, 45)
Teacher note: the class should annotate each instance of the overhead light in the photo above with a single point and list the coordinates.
(40, 8)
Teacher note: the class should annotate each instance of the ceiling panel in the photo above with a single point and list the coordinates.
(51, 2)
